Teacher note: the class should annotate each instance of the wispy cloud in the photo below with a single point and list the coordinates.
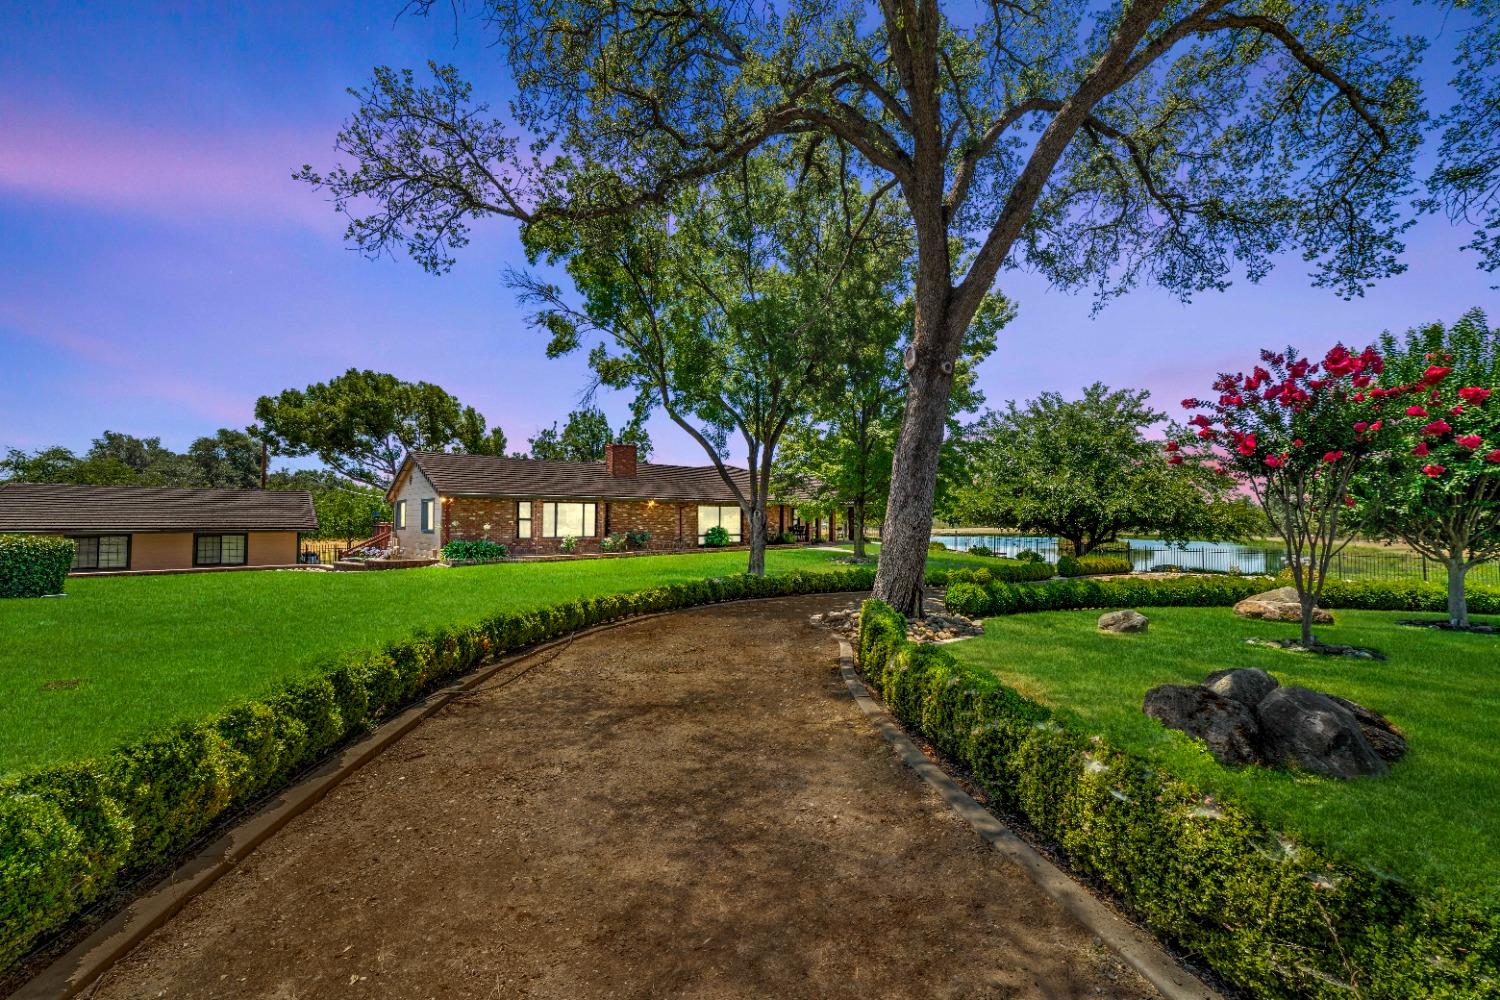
(159, 171)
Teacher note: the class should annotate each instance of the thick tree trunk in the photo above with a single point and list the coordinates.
(1458, 601)
(1306, 600)
(857, 529)
(757, 529)
(908, 520)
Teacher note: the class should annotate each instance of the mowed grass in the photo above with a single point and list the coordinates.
(119, 658)
(1434, 820)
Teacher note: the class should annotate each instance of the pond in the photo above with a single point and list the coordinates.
(1145, 553)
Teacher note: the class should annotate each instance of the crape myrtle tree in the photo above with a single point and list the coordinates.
(361, 424)
(1086, 470)
(584, 436)
(1438, 489)
(1100, 143)
(1297, 433)
(719, 307)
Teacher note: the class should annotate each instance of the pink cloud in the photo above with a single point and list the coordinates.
(183, 177)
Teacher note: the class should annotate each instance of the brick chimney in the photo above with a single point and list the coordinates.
(619, 460)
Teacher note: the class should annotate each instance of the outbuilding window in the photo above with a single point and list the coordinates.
(427, 516)
(102, 552)
(219, 550)
(563, 520)
(400, 515)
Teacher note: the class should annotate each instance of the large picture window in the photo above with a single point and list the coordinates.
(102, 552)
(726, 517)
(219, 550)
(523, 518)
(561, 520)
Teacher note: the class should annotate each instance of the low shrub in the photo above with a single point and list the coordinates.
(473, 551)
(1030, 555)
(568, 545)
(69, 834)
(34, 565)
(981, 550)
(716, 537)
(1092, 565)
(937, 547)
(614, 542)
(1279, 918)
(1004, 570)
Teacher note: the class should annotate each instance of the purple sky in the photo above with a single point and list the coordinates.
(159, 269)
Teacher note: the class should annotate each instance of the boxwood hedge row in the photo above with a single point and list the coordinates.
(1092, 565)
(1006, 571)
(69, 833)
(1276, 917)
(34, 565)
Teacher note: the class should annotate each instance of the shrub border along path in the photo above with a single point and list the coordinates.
(1277, 917)
(83, 964)
(1144, 953)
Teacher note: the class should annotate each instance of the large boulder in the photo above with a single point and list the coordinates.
(1279, 605)
(1246, 686)
(1227, 727)
(1388, 741)
(1123, 621)
(1301, 728)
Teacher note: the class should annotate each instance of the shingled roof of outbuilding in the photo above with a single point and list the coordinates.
(494, 476)
(64, 509)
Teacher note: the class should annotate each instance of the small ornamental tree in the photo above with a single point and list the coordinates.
(1438, 490)
(1296, 433)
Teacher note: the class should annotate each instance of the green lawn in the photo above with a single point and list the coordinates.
(120, 657)
(1434, 819)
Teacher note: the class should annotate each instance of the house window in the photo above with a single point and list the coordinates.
(219, 550)
(718, 516)
(523, 518)
(561, 520)
(400, 514)
(427, 516)
(102, 552)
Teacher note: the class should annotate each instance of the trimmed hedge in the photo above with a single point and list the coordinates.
(34, 565)
(69, 833)
(1276, 917)
(1092, 565)
(1003, 570)
(479, 550)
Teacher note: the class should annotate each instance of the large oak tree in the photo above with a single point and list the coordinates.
(1101, 143)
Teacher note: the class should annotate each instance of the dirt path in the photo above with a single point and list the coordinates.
(686, 806)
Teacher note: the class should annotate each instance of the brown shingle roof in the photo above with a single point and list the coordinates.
(492, 476)
(56, 508)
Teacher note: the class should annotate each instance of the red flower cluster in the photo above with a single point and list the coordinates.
(1474, 395)
(1472, 442)
(1433, 471)
(1437, 428)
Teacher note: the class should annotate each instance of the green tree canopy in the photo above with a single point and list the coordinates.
(227, 459)
(1085, 470)
(1438, 490)
(1100, 143)
(362, 423)
(584, 435)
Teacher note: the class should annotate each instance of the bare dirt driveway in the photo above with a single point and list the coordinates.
(686, 806)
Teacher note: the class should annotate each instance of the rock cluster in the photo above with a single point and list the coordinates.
(938, 626)
(1279, 605)
(1246, 717)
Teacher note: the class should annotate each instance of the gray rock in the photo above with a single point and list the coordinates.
(1123, 621)
(1304, 729)
(1246, 686)
(1228, 728)
(1386, 740)
(1279, 605)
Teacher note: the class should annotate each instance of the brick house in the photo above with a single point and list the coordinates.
(139, 529)
(531, 505)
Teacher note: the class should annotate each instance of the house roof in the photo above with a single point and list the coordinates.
(63, 509)
(493, 476)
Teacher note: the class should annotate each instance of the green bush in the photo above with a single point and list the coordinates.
(477, 551)
(34, 565)
(716, 536)
(1276, 917)
(1092, 565)
(69, 834)
(981, 550)
(1003, 569)
(936, 547)
(1030, 555)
